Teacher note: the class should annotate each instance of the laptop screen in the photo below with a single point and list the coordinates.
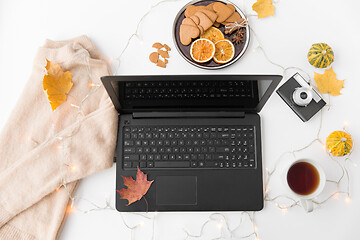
(191, 92)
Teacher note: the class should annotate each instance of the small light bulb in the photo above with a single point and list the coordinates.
(92, 84)
(256, 228)
(70, 209)
(347, 199)
(257, 238)
(141, 223)
(336, 195)
(346, 124)
(284, 211)
(355, 165)
(58, 147)
(73, 168)
(57, 189)
(219, 225)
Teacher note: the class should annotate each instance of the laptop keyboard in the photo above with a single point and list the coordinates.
(189, 147)
(188, 90)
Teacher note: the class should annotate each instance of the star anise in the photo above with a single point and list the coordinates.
(238, 36)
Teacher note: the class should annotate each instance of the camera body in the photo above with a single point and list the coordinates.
(301, 97)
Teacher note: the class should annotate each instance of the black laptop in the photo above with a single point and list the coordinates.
(197, 136)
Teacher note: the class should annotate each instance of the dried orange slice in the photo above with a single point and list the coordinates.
(214, 34)
(202, 50)
(224, 51)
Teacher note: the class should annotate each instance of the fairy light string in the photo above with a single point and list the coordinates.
(218, 218)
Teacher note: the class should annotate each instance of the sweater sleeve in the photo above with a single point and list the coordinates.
(39, 173)
(40, 148)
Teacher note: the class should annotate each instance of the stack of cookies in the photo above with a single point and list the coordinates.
(200, 18)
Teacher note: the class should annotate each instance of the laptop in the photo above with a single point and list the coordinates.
(197, 136)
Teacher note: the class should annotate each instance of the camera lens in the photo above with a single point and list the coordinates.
(303, 95)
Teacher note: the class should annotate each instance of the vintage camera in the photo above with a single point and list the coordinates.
(301, 97)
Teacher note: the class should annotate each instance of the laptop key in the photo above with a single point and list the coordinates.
(172, 164)
(127, 164)
(211, 164)
(131, 157)
(135, 164)
(129, 150)
(129, 143)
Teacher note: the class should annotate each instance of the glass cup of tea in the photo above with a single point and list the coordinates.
(305, 179)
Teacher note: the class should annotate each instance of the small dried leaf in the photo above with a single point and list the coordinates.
(167, 47)
(160, 64)
(157, 45)
(166, 61)
(56, 84)
(163, 53)
(264, 8)
(135, 189)
(154, 56)
(328, 83)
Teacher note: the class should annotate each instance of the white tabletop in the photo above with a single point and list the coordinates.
(286, 38)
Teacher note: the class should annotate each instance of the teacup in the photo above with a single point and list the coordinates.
(305, 179)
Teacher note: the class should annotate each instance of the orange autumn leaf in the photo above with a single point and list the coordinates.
(264, 8)
(135, 189)
(328, 83)
(56, 84)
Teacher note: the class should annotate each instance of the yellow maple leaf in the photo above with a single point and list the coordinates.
(56, 84)
(264, 8)
(328, 83)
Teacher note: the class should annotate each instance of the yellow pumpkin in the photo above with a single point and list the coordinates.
(320, 55)
(339, 143)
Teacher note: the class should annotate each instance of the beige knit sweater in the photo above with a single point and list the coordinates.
(30, 152)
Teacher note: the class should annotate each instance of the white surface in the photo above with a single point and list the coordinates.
(286, 37)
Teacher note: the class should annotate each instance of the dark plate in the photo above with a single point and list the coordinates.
(185, 50)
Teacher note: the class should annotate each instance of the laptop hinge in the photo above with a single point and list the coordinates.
(188, 114)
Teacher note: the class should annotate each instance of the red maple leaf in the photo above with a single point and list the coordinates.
(135, 189)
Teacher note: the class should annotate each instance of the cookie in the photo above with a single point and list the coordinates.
(201, 29)
(163, 53)
(187, 33)
(210, 7)
(233, 18)
(157, 45)
(231, 7)
(191, 10)
(216, 24)
(195, 19)
(154, 56)
(167, 47)
(188, 21)
(166, 61)
(205, 21)
(222, 11)
(211, 14)
(160, 64)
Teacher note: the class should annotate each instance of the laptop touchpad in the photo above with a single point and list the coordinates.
(176, 190)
